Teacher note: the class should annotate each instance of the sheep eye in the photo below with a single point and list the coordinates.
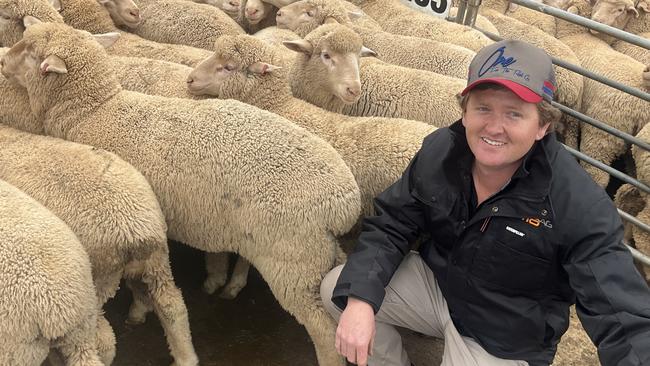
(229, 67)
(5, 16)
(310, 13)
(326, 56)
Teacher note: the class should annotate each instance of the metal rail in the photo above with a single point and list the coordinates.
(633, 220)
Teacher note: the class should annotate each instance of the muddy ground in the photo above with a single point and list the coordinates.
(253, 330)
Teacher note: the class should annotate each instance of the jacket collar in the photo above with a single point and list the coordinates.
(532, 179)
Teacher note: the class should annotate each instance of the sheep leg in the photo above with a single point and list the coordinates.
(141, 304)
(295, 279)
(238, 280)
(216, 264)
(169, 306)
(78, 347)
(105, 341)
(106, 286)
(602, 146)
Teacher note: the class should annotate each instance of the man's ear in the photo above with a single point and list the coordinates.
(106, 39)
(367, 52)
(56, 4)
(300, 45)
(262, 68)
(53, 64)
(29, 20)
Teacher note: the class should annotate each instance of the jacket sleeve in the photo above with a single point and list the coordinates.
(384, 241)
(613, 300)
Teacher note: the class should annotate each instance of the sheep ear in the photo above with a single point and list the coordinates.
(106, 39)
(300, 45)
(330, 20)
(632, 9)
(53, 64)
(644, 5)
(367, 52)
(262, 68)
(29, 20)
(512, 7)
(56, 4)
(354, 15)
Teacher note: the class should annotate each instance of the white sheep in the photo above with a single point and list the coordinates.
(12, 13)
(228, 176)
(629, 199)
(230, 7)
(642, 163)
(182, 22)
(109, 206)
(414, 52)
(376, 149)
(630, 16)
(48, 298)
(616, 108)
(395, 17)
(326, 74)
(255, 15)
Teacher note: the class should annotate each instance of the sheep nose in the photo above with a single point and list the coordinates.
(278, 14)
(190, 80)
(353, 91)
(135, 13)
(251, 12)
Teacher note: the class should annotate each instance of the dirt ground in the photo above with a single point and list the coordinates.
(253, 330)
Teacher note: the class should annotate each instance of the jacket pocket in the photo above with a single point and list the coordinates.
(505, 267)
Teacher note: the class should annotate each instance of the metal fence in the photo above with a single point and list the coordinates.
(467, 13)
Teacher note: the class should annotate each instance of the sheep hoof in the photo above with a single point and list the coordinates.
(230, 292)
(136, 320)
(211, 284)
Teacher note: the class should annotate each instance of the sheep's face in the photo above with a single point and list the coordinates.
(230, 7)
(12, 13)
(256, 10)
(614, 13)
(123, 12)
(17, 62)
(208, 77)
(300, 14)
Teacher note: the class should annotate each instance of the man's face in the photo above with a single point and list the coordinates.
(500, 128)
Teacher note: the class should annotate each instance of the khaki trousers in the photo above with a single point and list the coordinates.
(413, 300)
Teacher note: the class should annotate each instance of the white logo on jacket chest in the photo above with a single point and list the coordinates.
(515, 231)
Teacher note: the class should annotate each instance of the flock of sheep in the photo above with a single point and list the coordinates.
(166, 120)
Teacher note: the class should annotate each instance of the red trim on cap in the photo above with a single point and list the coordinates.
(522, 92)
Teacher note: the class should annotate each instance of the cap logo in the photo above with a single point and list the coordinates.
(495, 59)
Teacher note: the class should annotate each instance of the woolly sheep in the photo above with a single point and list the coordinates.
(15, 108)
(198, 157)
(13, 11)
(113, 212)
(413, 52)
(123, 12)
(397, 18)
(377, 150)
(629, 16)
(388, 90)
(570, 84)
(255, 15)
(616, 108)
(183, 22)
(46, 287)
(642, 163)
(230, 7)
(629, 199)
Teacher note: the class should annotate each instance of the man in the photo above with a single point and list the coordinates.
(514, 232)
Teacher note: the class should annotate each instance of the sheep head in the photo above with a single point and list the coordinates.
(615, 13)
(304, 16)
(241, 68)
(256, 10)
(123, 12)
(54, 61)
(331, 60)
(230, 7)
(12, 13)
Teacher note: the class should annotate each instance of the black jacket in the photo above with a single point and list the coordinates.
(510, 271)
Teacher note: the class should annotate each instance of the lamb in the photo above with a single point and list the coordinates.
(13, 11)
(255, 15)
(377, 150)
(112, 210)
(230, 7)
(407, 51)
(182, 22)
(198, 157)
(44, 270)
(618, 109)
(629, 16)
(388, 90)
(397, 18)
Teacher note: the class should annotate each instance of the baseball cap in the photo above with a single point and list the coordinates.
(519, 66)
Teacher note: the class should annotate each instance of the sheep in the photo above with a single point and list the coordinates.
(376, 149)
(198, 157)
(542, 21)
(413, 52)
(629, 199)
(397, 18)
(13, 11)
(629, 16)
(388, 90)
(230, 7)
(111, 208)
(47, 293)
(616, 108)
(183, 22)
(642, 163)
(255, 15)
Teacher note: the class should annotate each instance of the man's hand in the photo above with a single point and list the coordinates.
(356, 332)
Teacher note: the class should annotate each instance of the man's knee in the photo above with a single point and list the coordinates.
(327, 288)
